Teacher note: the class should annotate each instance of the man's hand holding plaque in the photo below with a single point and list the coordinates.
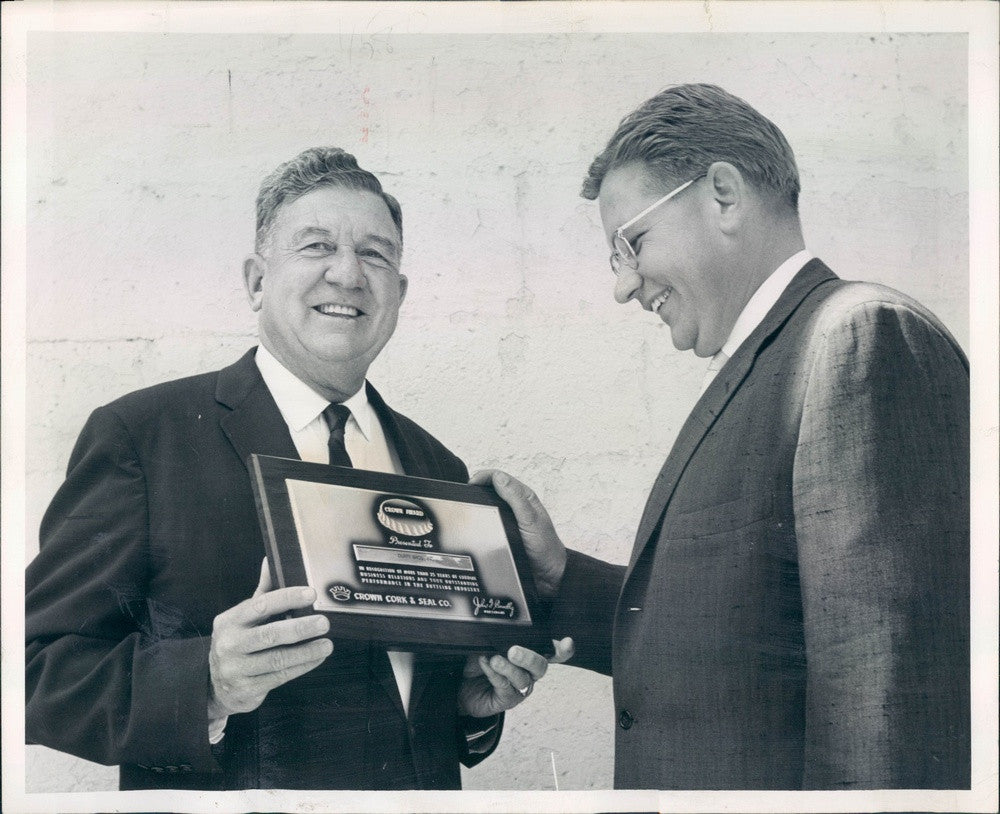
(494, 684)
(255, 649)
(545, 550)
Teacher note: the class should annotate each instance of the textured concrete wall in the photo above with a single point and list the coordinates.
(145, 152)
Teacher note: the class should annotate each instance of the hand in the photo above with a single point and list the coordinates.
(250, 656)
(494, 684)
(546, 551)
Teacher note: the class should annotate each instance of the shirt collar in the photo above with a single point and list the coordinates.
(298, 403)
(763, 300)
(362, 411)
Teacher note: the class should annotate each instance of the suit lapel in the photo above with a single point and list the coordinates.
(254, 423)
(414, 463)
(714, 400)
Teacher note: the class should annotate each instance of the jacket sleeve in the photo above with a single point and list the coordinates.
(108, 679)
(584, 608)
(478, 738)
(881, 495)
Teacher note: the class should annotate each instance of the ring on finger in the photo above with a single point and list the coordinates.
(524, 692)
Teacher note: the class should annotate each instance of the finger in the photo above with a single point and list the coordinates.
(528, 509)
(506, 694)
(484, 477)
(258, 608)
(264, 684)
(281, 633)
(472, 667)
(564, 650)
(264, 583)
(498, 680)
(534, 663)
(280, 660)
(518, 678)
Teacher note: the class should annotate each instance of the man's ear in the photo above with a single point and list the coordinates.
(403, 285)
(729, 193)
(253, 280)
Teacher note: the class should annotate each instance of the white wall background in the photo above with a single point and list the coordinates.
(145, 152)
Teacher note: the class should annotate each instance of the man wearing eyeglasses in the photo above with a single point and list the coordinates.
(148, 644)
(795, 611)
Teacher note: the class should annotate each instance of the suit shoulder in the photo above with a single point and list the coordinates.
(174, 395)
(859, 310)
(846, 294)
(438, 450)
(412, 426)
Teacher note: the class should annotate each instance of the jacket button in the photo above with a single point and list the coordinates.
(625, 719)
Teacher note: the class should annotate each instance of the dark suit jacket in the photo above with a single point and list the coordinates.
(155, 532)
(795, 613)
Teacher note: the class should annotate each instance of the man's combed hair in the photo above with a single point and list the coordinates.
(682, 130)
(309, 170)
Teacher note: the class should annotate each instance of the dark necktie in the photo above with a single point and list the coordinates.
(336, 416)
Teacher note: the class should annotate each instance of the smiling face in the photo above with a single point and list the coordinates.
(327, 288)
(684, 258)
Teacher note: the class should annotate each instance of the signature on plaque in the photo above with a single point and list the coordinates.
(492, 606)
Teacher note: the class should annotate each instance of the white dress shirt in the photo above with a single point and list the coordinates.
(756, 309)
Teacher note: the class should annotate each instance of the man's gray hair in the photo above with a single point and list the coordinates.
(682, 130)
(309, 170)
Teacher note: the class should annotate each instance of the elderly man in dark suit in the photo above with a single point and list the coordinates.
(795, 611)
(148, 644)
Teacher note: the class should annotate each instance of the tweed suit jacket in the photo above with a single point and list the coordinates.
(154, 533)
(795, 612)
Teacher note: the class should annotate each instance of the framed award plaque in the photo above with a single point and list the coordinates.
(411, 562)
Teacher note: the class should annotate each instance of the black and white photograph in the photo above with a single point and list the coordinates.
(706, 293)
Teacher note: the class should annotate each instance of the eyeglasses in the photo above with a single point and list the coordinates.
(623, 253)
